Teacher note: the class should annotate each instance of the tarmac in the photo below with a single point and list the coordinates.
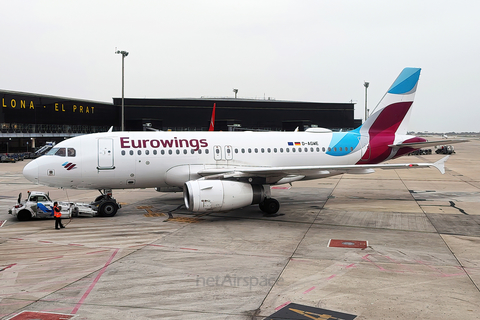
(409, 249)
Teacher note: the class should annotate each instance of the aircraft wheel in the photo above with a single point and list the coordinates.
(271, 206)
(24, 215)
(108, 209)
(261, 205)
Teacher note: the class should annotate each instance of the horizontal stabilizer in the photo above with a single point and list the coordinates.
(418, 145)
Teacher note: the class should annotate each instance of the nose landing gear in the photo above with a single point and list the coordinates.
(107, 205)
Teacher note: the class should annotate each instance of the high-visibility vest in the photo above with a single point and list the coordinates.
(56, 212)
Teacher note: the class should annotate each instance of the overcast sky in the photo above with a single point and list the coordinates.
(319, 51)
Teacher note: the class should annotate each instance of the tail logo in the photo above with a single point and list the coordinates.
(406, 82)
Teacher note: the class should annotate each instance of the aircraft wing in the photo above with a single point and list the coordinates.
(427, 143)
(302, 171)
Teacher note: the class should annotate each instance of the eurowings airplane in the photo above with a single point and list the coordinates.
(221, 171)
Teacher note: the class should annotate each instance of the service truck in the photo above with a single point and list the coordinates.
(39, 205)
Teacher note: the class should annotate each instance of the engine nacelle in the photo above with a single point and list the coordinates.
(221, 195)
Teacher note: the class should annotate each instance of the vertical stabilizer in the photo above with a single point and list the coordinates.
(393, 111)
(390, 117)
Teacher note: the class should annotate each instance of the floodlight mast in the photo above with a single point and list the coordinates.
(366, 84)
(124, 54)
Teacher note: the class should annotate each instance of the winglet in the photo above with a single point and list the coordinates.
(440, 164)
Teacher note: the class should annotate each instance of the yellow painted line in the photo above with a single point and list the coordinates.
(150, 213)
(186, 220)
(154, 214)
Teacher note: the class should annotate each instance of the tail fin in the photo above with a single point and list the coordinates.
(212, 120)
(392, 113)
(388, 123)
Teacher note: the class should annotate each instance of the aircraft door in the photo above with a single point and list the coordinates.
(217, 153)
(105, 154)
(228, 153)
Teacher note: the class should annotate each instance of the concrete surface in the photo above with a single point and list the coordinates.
(422, 259)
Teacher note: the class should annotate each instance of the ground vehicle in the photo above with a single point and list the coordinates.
(7, 158)
(420, 152)
(447, 149)
(39, 205)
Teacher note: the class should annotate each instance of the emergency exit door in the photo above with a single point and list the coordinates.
(217, 153)
(228, 153)
(105, 154)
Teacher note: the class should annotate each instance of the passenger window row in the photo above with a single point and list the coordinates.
(243, 150)
(287, 150)
(163, 152)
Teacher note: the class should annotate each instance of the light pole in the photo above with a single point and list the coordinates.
(365, 83)
(124, 54)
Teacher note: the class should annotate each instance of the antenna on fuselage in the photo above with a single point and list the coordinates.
(111, 129)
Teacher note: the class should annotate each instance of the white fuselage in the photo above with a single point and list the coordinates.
(119, 160)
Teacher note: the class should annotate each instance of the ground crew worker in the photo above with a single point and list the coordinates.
(58, 216)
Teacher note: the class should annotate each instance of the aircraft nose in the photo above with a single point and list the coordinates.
(30, 171)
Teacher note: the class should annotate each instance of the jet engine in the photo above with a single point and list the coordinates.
(221, 195)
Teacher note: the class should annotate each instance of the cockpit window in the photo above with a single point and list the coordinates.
(61, 152)
(51, 152)
(57, 152)
(71, 152)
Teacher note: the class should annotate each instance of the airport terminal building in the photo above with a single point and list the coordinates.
(28, 121)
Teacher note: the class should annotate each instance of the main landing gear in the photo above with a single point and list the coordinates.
(107, 206)
(270, 206)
